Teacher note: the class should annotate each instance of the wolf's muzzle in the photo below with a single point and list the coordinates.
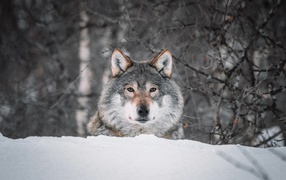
(143, 111)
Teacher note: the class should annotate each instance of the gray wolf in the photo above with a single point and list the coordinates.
(141, 98)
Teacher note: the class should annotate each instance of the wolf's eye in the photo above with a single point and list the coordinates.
(130, 89)
(153, 89)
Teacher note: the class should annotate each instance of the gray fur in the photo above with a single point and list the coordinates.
(110, 119)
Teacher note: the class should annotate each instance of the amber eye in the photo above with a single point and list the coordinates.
(153, 89)
(130, 89)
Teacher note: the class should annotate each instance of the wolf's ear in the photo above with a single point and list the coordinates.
(119, 62)
(163, 63)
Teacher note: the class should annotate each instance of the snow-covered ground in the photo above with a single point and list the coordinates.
(143, 157)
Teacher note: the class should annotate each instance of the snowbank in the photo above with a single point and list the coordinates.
(142, 157)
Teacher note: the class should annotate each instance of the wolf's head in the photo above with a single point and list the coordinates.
(141, 95)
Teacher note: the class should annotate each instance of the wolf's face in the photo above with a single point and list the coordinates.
(141, 97)
(141, 105)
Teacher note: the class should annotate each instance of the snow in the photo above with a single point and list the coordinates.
(142, 157)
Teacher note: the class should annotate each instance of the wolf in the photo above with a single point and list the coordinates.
(140, 98)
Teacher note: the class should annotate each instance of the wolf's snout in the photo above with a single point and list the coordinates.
(143, 111)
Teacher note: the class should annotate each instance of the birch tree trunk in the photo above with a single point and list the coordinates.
(84, 86)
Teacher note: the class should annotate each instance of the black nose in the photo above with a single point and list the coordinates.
(143, 111)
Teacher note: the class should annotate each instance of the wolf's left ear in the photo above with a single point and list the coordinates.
(163, 63)
(119, 62)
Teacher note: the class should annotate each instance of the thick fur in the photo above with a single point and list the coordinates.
(139, 89)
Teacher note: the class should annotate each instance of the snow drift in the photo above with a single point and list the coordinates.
(142, 157)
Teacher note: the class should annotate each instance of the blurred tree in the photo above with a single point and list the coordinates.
(39, 40)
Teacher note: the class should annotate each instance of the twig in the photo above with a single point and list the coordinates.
(66, 90)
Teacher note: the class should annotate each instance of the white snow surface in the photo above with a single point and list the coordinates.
(144, 157)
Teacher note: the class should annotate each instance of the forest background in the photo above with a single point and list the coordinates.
(229, 60)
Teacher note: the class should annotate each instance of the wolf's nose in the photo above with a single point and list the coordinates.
(143, 111)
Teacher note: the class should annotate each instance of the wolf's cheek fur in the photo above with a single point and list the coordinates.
(168, 116)
(130, 111)
(154, 111)
(113, 111)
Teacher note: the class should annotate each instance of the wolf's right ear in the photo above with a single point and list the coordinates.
(119, 62)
